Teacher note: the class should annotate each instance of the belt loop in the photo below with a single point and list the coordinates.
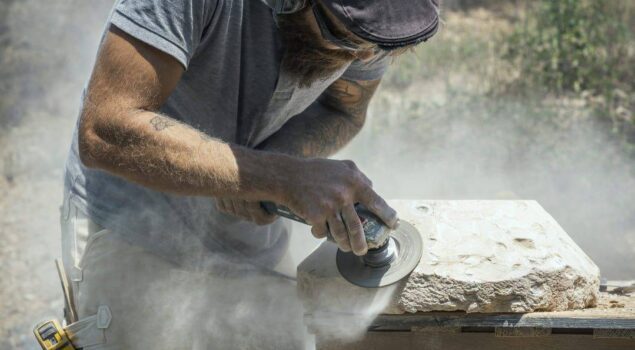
(77, 275)
(103, 317)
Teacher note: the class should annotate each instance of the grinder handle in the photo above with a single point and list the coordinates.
(275, 209)
(375, 230)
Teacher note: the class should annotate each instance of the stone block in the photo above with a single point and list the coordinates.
(478, 256)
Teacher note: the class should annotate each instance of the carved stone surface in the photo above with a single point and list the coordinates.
(479, 256)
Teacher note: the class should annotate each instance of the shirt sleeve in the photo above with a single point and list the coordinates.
(172, 26)
(371, 70)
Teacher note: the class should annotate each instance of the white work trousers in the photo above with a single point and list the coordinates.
(129, 298)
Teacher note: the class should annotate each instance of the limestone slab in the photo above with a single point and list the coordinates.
(478, 256)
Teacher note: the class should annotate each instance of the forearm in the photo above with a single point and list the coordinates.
(160, 153)
(328, 124)
(320, 131)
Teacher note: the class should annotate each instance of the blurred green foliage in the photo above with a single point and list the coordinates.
(575, 45)
(578, 53)
(580, 47)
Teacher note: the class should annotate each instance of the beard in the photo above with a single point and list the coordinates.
(305, 57)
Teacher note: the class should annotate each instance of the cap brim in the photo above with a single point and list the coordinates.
(387, 23)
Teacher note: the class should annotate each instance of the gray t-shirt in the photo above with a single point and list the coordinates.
(233, 90)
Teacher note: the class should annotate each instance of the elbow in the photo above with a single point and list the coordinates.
(86, 144)
(90, 145)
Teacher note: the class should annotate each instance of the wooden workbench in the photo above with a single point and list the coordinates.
(610, 325)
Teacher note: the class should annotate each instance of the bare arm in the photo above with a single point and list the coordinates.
(328, 124)
(121, 131)
(320, 131)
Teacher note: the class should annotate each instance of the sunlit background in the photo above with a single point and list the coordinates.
(512, 99)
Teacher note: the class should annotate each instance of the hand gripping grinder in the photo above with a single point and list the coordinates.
(391, 256)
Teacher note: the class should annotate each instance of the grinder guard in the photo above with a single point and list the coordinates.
(391, 256)
(401, 254)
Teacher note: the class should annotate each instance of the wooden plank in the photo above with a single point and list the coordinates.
(613, 312)
(455, 319)
(522, 332)
(614, 333)
(449, 341)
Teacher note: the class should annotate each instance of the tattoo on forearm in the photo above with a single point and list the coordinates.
(161, 123)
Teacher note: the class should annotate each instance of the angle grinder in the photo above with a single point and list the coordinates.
(391, 255)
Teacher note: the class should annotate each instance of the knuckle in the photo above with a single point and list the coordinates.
(340, 198)
(361, 250)
(340, 236)
(338, 231)
(355, 228)
(328, 206)
(360, 180)
(367, 181)
(318, 232)
(344, 246)
(313, 217)
(366, 195)
(349, 163)
(374, 204)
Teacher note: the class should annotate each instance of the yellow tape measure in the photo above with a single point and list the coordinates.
(51, 336)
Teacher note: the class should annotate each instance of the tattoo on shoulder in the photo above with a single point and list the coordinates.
(350, 96)
(161, 123)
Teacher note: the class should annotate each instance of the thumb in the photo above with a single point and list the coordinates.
(373, 202)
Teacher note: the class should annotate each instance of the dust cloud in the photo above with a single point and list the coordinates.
(424, 142)
(46, 52)
(450, 146)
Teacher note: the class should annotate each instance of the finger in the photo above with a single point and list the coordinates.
(365, 178)
(319, 230)
(355, 230)
(339, 232)
(258, 214)
(371, 200)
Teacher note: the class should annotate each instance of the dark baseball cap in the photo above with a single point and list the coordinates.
(388, 23)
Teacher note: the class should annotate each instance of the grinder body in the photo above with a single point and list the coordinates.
(375, 232)
(389, 258)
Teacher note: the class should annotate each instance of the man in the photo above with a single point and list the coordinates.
(196, 111)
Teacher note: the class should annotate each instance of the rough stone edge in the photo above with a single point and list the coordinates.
(515, 295)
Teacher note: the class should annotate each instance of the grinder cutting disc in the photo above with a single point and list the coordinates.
(405, 245)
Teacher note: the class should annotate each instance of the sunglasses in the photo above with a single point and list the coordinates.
(328, 35)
